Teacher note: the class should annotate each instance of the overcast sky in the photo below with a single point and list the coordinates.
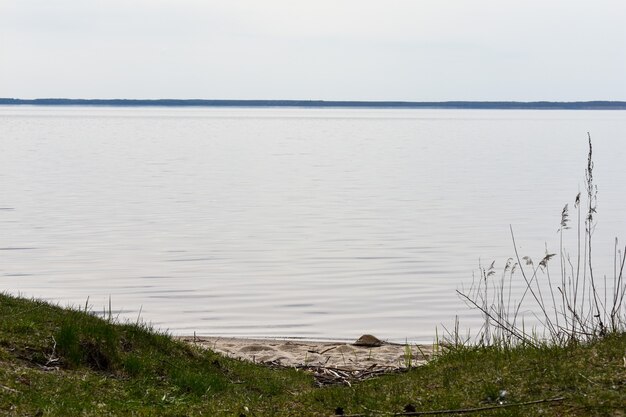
(417, 50)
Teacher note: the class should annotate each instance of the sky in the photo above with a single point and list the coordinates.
(408, 50)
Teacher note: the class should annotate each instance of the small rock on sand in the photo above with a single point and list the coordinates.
(368, 340)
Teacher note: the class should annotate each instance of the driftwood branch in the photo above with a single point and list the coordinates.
(473, 410)
(463, 410)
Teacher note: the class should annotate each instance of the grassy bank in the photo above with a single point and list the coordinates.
(62, 362)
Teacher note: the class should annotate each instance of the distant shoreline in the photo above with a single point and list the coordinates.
(485, 105)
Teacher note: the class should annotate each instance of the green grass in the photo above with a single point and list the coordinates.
(63, 362)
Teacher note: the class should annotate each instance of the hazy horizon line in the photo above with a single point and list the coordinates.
(456, 104)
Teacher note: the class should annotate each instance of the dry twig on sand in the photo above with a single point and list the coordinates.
(328, 375)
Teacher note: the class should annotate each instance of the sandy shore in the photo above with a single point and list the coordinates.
(299, 353)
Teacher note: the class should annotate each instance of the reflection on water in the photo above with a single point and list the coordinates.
(314, 223)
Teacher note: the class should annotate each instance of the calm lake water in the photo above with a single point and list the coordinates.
(315, 223)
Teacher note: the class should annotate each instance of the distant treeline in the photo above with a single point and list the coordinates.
(536, 105)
